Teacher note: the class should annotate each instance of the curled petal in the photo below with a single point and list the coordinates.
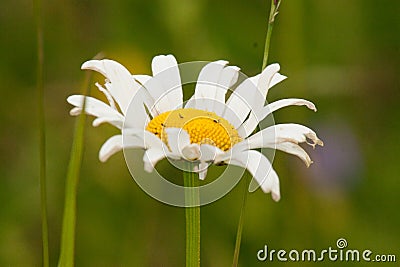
(118, 142)
(122, 86)
(280, 133)
(285, 103)
(277, 78)
(110, 147)
(266, 76)
(111, 120)
(251, 123)
(296, 150)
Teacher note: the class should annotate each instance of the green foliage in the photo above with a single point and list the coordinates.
(342, 55)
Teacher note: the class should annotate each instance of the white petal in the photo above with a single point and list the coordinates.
(148, 139)
(251, 123)
(151, 157)
(96, 108)
(110, 147)
(227, 79)
(284, 103)
(207, 82)
(191, 152)
(294, 133)
(111, 120)
(155, 148)
(277, 78)
(296, 150)
(165, 69)
(148, 99)
(75, 111)
(136, 115)
(210, 153)
(203, 167)
(123, 87)
(141, 79)
(180, 146)
(156, 90)
(108, 95)
(264, 82)
(268, 78)
(191, 103)
(117, 143)
(261, 170)
(245, 98)
(177, 140)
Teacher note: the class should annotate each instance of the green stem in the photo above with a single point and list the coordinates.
(67, 246)
(42, 133)
(192, 213)
(272, 14)
(247, 178)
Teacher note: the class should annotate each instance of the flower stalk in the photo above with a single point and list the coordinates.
(192, 213)
(271, 20)
(247, 178)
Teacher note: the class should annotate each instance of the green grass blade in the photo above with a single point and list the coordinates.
(42, 132)
(67, 246)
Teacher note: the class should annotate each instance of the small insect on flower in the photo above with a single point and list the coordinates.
(208, 129)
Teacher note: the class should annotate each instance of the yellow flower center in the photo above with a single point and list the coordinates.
(203, 127)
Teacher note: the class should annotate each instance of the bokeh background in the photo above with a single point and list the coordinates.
(343, 55)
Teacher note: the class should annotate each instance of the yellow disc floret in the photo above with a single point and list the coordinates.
(203, 127)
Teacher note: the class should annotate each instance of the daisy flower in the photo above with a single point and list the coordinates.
(210, 128)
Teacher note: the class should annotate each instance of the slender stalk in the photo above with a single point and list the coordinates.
(192, 213)
(42, 133)
(67, 246)
(247, 178)
(272, 14)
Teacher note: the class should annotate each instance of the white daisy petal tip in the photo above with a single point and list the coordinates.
(110, 147)
(163, 62)
(276, 196)
(273, 68)
(220, 62)
(312, 107)
(308, 163)
(313, 140)
(93, 64)
(148, 167)
(201, 169)
(202, 175)
(75, 111)
(266, 188)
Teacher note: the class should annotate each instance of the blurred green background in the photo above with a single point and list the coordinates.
(342, 55)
